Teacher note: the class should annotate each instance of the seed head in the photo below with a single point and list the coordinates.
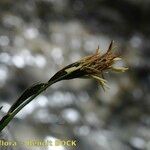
(92, 66)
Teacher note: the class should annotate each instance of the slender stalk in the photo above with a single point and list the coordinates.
(10, 116)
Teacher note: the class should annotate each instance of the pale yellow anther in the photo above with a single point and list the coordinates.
(102, 81)
(119, 69)
(117, 58)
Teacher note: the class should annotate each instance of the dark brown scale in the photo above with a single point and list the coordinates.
(62, 72)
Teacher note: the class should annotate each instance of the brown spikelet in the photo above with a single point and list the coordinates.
(91, 66)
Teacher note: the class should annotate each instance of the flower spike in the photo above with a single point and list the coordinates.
(92, 66)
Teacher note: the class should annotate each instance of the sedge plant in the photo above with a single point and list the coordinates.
(92, 66)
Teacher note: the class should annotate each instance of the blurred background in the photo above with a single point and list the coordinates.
(39, 37)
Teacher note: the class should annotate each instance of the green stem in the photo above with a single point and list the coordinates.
(11, 115)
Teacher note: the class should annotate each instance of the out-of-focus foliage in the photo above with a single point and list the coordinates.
(39, 37)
